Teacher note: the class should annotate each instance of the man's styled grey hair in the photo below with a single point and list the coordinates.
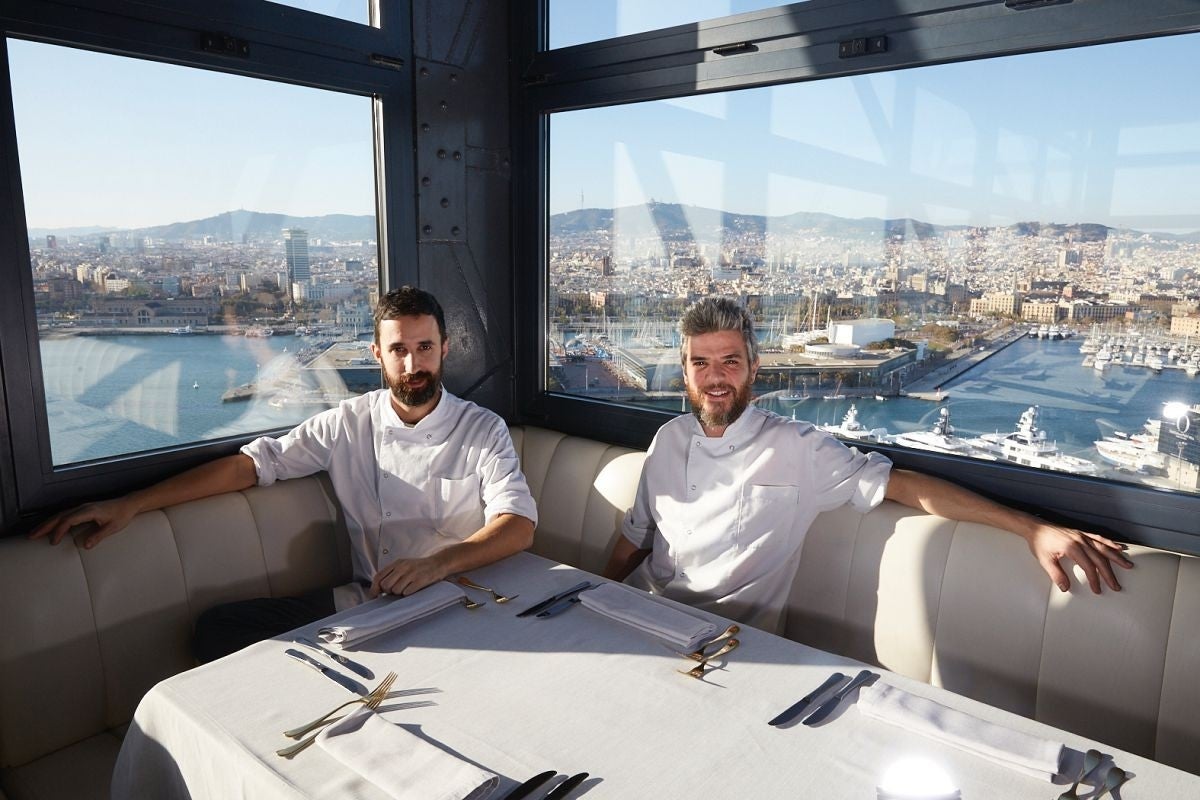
(713, 314)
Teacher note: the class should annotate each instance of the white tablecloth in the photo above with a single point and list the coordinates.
(575, 693)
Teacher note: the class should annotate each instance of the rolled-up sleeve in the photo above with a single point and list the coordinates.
(305, 449)
(844, 475)
(505, 490)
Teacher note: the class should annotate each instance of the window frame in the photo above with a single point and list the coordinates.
(799, 43)
(285, 44)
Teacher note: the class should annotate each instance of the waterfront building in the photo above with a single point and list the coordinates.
(295, 245)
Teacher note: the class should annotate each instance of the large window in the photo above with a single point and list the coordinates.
(203, 255)
(967, 236)
(1003, 275)
(199, 222)
(580, 21)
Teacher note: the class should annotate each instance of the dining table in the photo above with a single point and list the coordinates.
(572, 693)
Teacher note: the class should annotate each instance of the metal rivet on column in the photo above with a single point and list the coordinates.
(425, 181)
(445, 105)
(445, 202)
(425, 127)
(428, 229)
(455, 230)
(457, 156)
(424, 72)
(441, 153)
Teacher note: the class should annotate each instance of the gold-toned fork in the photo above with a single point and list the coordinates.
(293, 749)
(381, 691)
(499, 598)
(699, 670)
(470, 604)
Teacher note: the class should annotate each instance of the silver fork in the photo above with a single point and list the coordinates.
(379, 691)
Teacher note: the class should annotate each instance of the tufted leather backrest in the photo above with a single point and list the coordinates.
(958, 605)
(87, 632)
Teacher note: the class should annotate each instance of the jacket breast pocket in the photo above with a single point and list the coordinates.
(458, 506)
(765, 517)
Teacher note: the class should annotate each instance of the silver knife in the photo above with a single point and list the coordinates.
(558, 607)
(565, 788)
(353, 666)
(800, 705)
(554, 598)
(826, 708)
(328, 672)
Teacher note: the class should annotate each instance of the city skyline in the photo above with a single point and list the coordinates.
(1102, 142)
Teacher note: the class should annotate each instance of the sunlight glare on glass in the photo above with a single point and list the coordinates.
(352, 10)
(916, 778)
(579, 21)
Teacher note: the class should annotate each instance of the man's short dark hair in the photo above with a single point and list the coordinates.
(409, 301)
(713, 314)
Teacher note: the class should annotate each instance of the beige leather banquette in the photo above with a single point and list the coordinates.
(86, 633)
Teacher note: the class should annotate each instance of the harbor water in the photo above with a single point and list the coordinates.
(109, 395)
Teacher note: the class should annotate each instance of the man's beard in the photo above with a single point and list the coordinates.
(418, 396)
(720, 419)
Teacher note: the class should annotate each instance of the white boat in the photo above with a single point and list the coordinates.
(1029, 445)
(1054, 333)
(1192, 369)
(1102, 359)
(940, 439)
(186, 330)
(1155, 363)
(1043, 331)
(851, 428)
(1131, 455)
(259, 332)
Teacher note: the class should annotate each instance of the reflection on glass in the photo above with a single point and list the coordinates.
(202, 245)
(581, 21)
(353, 10)
(1009, 275)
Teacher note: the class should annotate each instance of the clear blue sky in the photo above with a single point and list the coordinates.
(1106, 134)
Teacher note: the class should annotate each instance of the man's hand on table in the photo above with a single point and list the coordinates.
(407, 575)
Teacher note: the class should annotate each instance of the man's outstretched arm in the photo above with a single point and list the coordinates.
(228, 474)
(1049, 543)
(502, 537)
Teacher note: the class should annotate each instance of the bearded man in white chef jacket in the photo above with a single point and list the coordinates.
(430, 484)
(727, 493)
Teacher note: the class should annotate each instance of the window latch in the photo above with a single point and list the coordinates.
(1024, 5)
(224, 44)
(735, 49)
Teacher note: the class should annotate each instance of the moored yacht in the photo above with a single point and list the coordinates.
(940, 439)
(1029, 445)
(851, 428)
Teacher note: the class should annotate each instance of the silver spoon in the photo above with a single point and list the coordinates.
(1091, 760)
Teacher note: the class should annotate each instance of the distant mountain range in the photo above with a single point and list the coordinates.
(232, 226)
(674, 222)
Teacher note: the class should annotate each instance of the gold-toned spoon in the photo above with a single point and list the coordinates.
(1115, 777)
(1091, 760)
(699, 670)
(499, 598)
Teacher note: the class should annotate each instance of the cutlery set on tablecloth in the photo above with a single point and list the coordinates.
(559, 792)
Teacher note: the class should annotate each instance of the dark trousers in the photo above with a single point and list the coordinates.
(226, 628)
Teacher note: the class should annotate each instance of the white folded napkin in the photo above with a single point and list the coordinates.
(400, 763)
(1032, 755)
(640, 611)
(392, 614)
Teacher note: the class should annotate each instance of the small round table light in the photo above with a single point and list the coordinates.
(916, 779)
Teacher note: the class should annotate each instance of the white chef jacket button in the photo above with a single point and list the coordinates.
(731, 448)
(385, 551)
(693, 487)
(428, 436)
(697, 444)
(388, 514)
(689, 533)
